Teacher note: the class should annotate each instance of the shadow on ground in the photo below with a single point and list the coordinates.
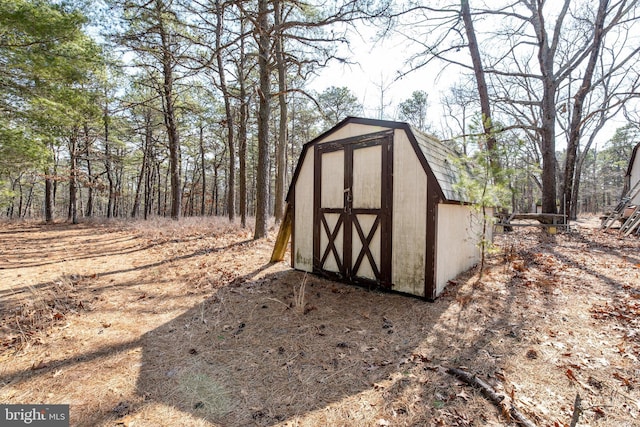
(250, 356)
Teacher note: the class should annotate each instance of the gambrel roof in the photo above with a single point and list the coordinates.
(441, 159)
(437, 159)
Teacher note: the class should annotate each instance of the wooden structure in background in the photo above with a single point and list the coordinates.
(627, 211)
(375, 203)
(550, 222)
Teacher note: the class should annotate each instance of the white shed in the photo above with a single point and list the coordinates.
(633, 175)
(375, 203)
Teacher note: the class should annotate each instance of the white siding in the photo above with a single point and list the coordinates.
(303, 215)
(409, 218)
(332, 180)
(367, 177)
(459, 231)
(635, 177)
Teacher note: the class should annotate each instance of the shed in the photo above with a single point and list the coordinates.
(375, 203)
(632, 177)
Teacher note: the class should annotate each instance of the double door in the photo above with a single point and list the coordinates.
(352, 208)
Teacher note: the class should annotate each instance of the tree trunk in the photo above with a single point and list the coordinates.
(174, 144)
(21, 198)
(214, 195)
(483, 92)
(282, 128)
(161, 201)
(242, 132)
(48, 191)
(27, 207)
(169, 113)
(117, 195)
(167, 180)
(231, 202)
(262, 178)
(135, 211)
(548, 149)
(87, 150)
(203, 165)
(548, 106)
(148, 188)
(108, 166)
(73, 177)
(575, 127)
(89, 210)
(48, 199)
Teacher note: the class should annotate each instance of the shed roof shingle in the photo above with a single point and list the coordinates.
(441, 160)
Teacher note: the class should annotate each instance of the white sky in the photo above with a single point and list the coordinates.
(377, 64)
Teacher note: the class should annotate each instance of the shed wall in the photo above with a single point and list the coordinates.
(458, 232)
(635, 177)
(409, 218)
(303, 215)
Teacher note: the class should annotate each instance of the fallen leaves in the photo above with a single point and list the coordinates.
(569, 373)
(463, 395)
(38, 365)
(506, 326)
(625, 381)
(625, 311)
(35, 310)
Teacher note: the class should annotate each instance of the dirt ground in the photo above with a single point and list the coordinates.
(187, 324)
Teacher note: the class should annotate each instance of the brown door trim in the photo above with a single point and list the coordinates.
(348, 217)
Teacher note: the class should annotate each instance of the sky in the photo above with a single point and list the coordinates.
(377, 64)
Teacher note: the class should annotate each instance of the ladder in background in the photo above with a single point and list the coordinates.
(619, 209)
(631, 223)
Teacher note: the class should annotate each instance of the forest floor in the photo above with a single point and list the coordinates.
(187, 324)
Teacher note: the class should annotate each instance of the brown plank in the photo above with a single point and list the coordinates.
(284, 233)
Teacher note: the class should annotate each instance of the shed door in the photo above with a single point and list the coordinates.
(352, 236)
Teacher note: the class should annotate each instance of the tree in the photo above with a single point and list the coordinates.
(242, 128)
(154, 30)
(18, 153)
(483, 92)
(47, 61)
(457, 106)
(414, 110)
(337, 103)
(299, 45)
(609, 166)
(264, 93)
(230, 122)
(528, 60)
(281, 146)
(598, 73)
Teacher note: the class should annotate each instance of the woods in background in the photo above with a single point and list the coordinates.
(181, 108)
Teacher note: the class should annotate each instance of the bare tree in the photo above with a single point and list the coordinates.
(607, 19)
(483, 91)
(527, 59)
